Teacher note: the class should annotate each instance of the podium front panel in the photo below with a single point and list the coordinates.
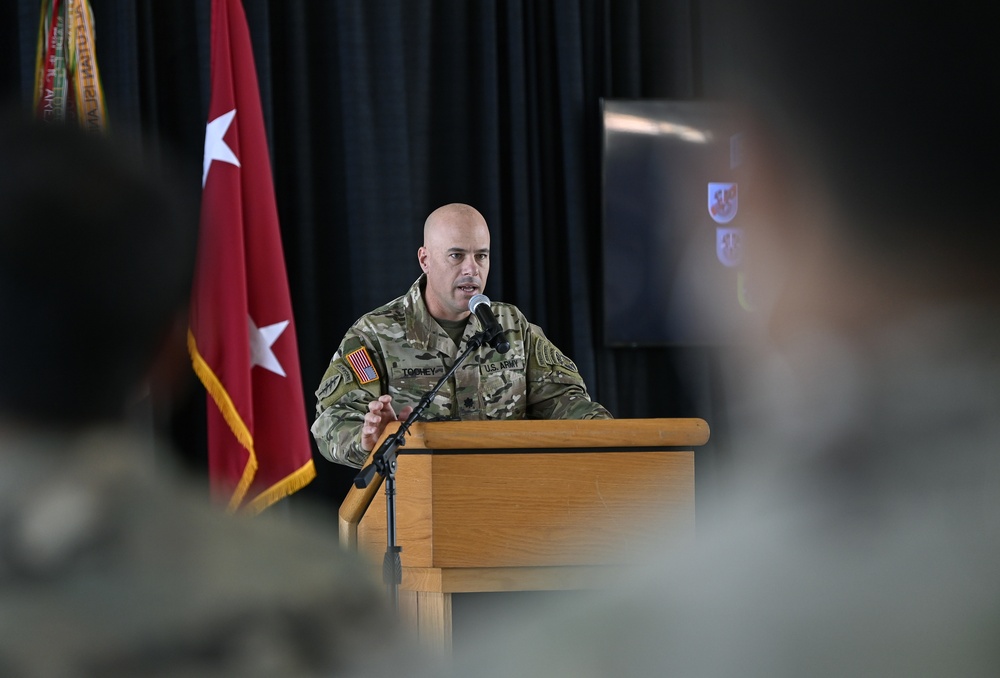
(533, 508)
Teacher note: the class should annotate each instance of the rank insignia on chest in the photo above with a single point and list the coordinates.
(361, 363)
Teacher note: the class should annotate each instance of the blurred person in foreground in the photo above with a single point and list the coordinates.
(860, 534)
(110, 565)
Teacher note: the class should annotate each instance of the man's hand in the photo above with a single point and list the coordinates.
(380, 413)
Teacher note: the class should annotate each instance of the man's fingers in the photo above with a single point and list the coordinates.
(379, 414)
(388, 413)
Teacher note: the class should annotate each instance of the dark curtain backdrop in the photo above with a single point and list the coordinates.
(380, 110)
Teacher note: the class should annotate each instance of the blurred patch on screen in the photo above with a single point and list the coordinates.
(675, 204)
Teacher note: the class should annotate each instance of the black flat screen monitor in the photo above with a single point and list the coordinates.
(674, 207)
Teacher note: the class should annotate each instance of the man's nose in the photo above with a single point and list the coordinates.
(470, 267)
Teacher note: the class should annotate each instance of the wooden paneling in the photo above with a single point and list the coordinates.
(533, 509)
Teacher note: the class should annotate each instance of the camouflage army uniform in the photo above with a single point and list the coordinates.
(401, 350)
(111, 565)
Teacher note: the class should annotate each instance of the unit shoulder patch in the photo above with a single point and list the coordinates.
(547, 355)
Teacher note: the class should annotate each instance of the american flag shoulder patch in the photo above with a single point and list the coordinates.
(361, 363)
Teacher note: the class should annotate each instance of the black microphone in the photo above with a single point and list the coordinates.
(480, 306)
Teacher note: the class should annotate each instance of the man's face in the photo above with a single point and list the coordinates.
(456, 259)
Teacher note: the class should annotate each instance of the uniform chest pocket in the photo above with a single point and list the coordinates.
(415, 381)
(504, 389)
(409, 384)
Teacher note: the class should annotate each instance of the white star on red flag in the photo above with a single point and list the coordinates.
(261, 340)
(215, 147)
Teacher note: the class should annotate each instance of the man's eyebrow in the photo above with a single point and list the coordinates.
(482, 250)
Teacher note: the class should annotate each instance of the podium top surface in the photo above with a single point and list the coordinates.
(554, 434)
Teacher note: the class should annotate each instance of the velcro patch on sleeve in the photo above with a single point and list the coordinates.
(361, 364)
(548, 355)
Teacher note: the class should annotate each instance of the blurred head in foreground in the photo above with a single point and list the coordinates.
(872, 245)
(875, 143)
(96, 252)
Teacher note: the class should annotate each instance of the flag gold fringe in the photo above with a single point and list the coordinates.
(232, 417)
(288, 485)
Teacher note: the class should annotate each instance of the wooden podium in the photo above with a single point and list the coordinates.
(524, 506)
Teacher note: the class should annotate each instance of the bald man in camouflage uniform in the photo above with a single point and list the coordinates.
(399, 352)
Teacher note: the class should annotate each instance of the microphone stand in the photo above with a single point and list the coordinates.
(384, 463)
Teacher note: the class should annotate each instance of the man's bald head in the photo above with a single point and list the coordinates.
(455, 257)
(452, 215)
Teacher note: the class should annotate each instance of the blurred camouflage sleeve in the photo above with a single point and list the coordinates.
(342, 399)
(555, 387)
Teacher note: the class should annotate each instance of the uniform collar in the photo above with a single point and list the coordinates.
(421, 325)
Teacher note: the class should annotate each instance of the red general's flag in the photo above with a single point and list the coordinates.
(242, 335)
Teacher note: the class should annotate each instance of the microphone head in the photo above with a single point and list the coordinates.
(478, 299)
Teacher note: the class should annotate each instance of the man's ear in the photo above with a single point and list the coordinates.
(422, 255)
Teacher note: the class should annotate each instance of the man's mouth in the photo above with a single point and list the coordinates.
(468, 286)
